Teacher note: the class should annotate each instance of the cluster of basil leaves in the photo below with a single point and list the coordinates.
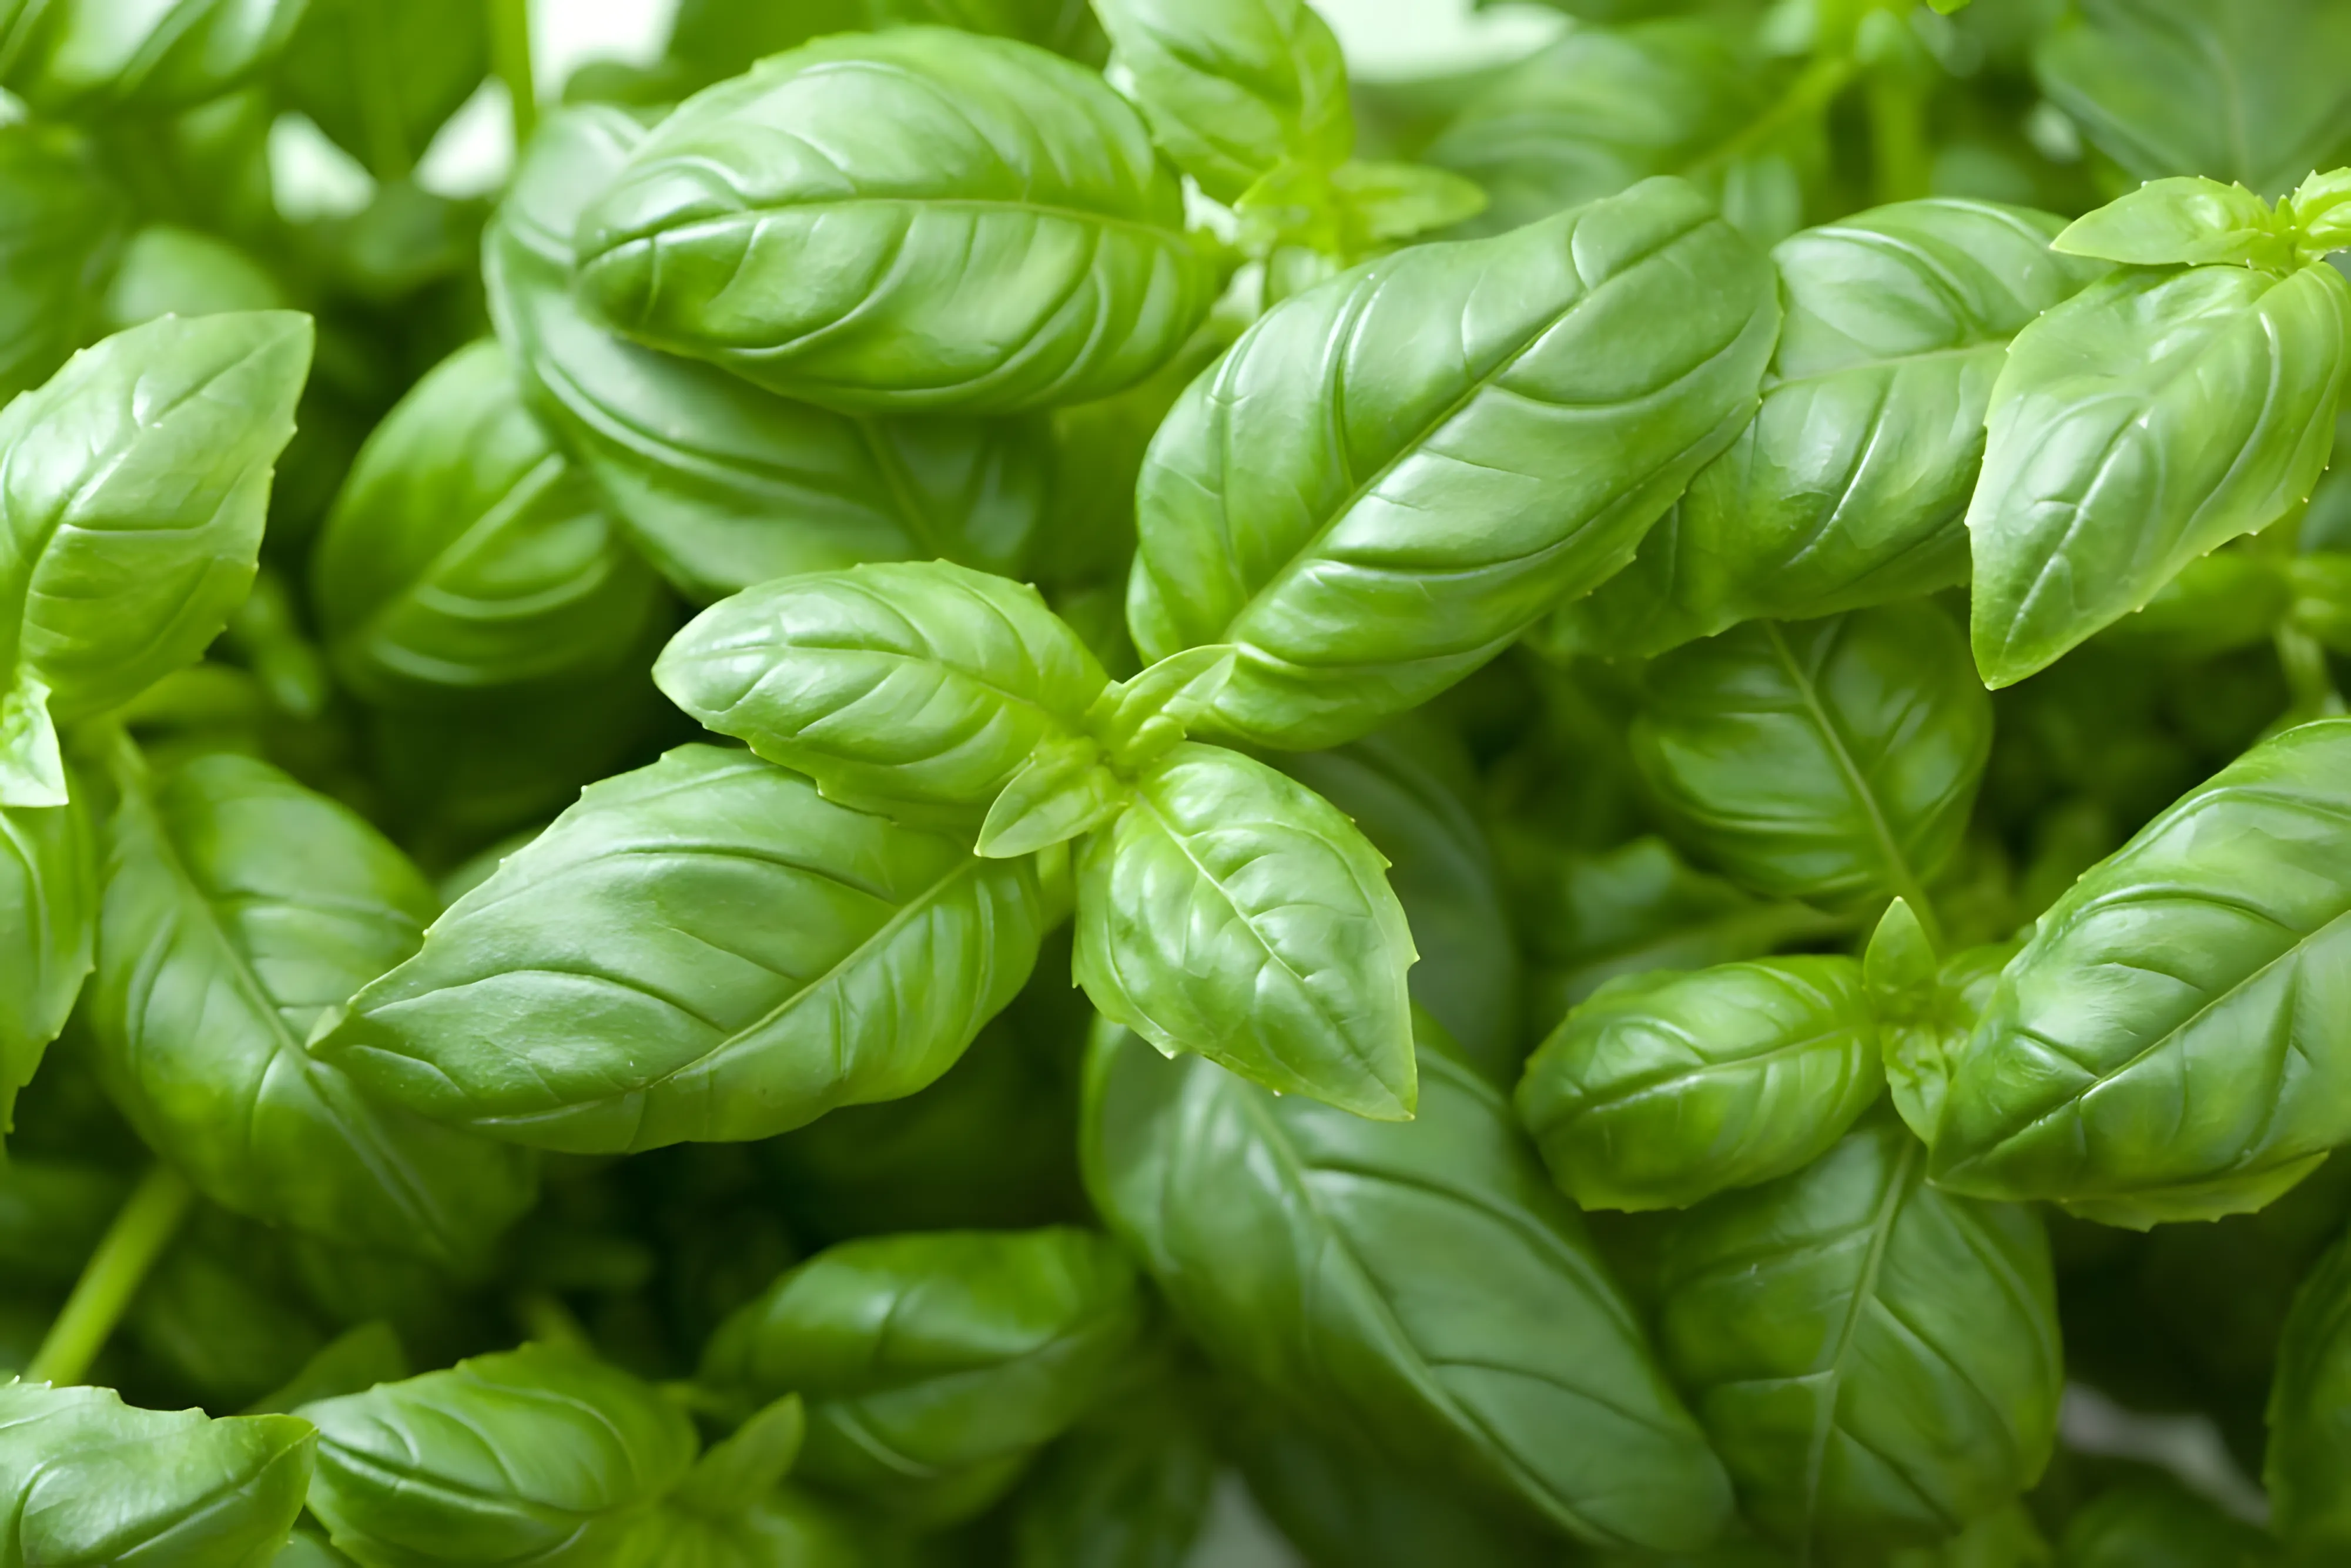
(1461, 613)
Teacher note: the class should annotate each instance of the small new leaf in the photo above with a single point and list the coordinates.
(1063, 791)
(2185, 219)
(735, 1475)
(1141, 720)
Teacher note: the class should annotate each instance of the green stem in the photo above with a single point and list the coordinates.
(511, 47)
(2307, 678)
(385, 127)
(1808, 96)
(149, 1218)
(1902, 165)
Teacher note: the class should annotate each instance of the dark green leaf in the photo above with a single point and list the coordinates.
(1369, 509)
(48, 919)
(719, 483)
(1129, 1487)
(465, 552)
(381, 76)
(1833, 760)
(132, 491)
(239, 908)
(919, 219)
(1875, 1361)
(1233, 912)
(62, 227)
(934, 1365)
(1416, 1286)
(85, 1478)
(703, 949)
(2150, 418)
(537, 1456)
(2309, 1454)
(2167, 1045)
(2156, 1524)
(1665, 1089)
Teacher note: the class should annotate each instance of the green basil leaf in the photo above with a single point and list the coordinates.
(785, 1527)
(1130, 1487)
(48, 921)
(1602, 109)
(719, 483)
(133, 488)
(1875, 1361)
(1065, 26)
(239, 908)
(1588, 918)
(987, 229)
(85, 1478)
(1833, 760)
(171, 271)
(750, 1463)
(1233, 87)
(1925, 1034)
(1394, 785)
(1416, 1286)
(934, 1365)
(536, 1455)
(465, 552)
(52, 1213)
(62, 228)
(353, 1363)
(1849, 487)
(1665, 1089)
(1065, 790)
(703, 949)
(381, 76)
(2155, 1523)
(2150, 418)
(99, 58)
(1369, 510)
(1233, 912)
(2178, 87)
(2165, 1047)
(308, 1548)
(2183, 219)
(2309, 1441)
(917, 689)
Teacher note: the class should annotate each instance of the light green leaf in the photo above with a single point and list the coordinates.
(1875, 1361)
(1417, 1287)
(48, 923)
(2184, 219)
(2140, 425)
(536, 1455)
(1849, 487)
(749, 1464)
(1668, 1088)
(914, 688)
(465, 553)
(63, 224)
(2151, 1521)
(239, 909)
(96, 59)
(1369, 509)
(1065, 790)
(85, 1478)
(132, 491)
(1834, 760)
(1232, 87)
(935, 1366)
(703, 949)
(1231, 911)
(1140, 720)
(719, 483)
(2309, 1416)
(2168, 1044)
(381, 76)
(919, 219)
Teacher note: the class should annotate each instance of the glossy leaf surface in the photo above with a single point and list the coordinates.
(1369, 507)
(2167, 1045)
(85, 1478)
(913, 688)
(1233, 87)
(934, 1365)
(918, 219)
(1665, 1089)
(1833, 760)
(466, 552)
(239, 908)
(703, 949)
(2152, 417)
(1421, 1286)
(1876, 1360)
(97, 58)
(1849, 487)
(132, 491)
(719, 483)
(1231, 911)
(537, 1456)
